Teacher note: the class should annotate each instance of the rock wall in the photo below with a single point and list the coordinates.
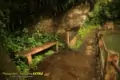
(75, 17)
(71, 20)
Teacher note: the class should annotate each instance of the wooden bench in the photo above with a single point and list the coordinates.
(28, 54)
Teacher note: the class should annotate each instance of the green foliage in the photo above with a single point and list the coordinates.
(49, 53)
(104, 10)
(77, 45)
(18, 43)
(85, 30)
(82, 33)
(95, 14)
(61, 44)
(37, 59)
(20, 63)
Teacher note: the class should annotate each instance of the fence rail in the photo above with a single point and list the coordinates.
(109, 59)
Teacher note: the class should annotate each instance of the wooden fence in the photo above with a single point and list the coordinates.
(108, 59)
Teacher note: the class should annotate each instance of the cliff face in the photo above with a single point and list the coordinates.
(70, 20)
(74, 17)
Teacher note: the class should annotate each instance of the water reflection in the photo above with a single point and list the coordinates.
(112, 41)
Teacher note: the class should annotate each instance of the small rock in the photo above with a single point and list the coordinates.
(89, 47)
(88, 52)
(90, 41)
(47, 74)
(94, 79)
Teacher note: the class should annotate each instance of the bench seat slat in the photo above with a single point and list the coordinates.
(37, 49)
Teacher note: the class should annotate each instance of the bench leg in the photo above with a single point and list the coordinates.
(29, 58)
(68, 38)
(57, 47)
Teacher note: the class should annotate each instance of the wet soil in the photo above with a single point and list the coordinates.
(72, 65)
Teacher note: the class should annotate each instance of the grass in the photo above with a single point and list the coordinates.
(37, 59)
(82, 33)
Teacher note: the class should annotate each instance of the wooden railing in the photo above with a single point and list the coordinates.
(109, 60)
(28, 54)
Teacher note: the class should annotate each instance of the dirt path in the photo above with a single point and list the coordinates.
(72, 65)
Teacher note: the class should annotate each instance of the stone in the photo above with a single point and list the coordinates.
(47, 74)
(89, 47)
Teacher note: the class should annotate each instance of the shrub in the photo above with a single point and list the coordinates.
(18, 42)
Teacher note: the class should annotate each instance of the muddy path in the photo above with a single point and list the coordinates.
(72, 65)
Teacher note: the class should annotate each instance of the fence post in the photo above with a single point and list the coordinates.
(68, 38)
(111, 73)
(29, 58)
(57, 46)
